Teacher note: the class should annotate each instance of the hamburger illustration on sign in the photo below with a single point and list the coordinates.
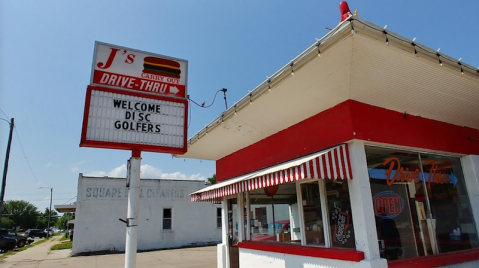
(163, 67)
(130, 69)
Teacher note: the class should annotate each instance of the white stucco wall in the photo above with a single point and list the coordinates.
(472, 264)
(102, 201)
(255, 258)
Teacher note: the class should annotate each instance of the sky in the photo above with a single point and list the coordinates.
(46, 53)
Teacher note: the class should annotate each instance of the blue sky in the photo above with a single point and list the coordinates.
(46, 51)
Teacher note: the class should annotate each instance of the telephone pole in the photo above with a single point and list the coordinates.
(50, 211)
(5, 168)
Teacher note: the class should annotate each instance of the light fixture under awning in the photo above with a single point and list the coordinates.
(332, 163)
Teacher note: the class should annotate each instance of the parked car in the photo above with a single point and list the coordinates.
(21, 240)
(50, 233)
(7, 243)
(35, 233)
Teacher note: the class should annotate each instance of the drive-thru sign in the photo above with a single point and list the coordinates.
(126, 68)
(135, 101)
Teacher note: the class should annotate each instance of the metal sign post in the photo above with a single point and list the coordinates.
(133, 185)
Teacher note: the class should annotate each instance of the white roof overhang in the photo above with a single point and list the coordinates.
(357, 66)
(65, 208)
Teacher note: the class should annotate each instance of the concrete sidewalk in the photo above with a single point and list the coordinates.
(40, 256)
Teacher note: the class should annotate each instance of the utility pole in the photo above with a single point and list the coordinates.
(5, 168)
(50, 211)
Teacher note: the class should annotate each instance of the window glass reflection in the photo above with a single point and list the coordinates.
(274, 214)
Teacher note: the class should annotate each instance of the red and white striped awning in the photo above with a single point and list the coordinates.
(332, 163)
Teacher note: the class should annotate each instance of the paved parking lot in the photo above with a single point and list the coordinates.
(40, 256)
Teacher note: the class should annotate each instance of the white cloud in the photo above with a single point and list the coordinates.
(49, 165)
(147, 172)
(76, 167)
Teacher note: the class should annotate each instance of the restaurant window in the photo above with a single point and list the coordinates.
(167, 218)
(420, 203)
(218, 218)
(308, 212)
(339, 213)
(274, 214)
(312, 214)
(326, 211)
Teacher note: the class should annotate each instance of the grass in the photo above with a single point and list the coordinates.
(11, 252)
(65, 245)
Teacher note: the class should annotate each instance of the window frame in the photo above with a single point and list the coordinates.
(420, 155)
(324, 211)
(163, 219)
(219, 209)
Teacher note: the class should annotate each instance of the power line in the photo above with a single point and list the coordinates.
(207, 106)
(43, 194)
(28, 163)
(4, 113)
(70, 199)
(48, 199)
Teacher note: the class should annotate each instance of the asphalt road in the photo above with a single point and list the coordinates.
(40, 256)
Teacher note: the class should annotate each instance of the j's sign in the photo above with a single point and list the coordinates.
(125, 68)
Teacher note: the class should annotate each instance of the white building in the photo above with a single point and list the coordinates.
(167, 218)
(371, 140)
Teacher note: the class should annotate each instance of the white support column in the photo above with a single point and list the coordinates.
(470, 165)
(133, 183)
(324, 212)
(362, 203)
(240, 217)
(224, 221)
(222, 250)
(248, 216)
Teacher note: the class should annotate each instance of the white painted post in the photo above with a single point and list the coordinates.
(248, 216)
(133, 184)
(240, 217)
(362, 203)
(224, 235)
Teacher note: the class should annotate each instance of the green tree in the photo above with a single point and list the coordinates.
(42, 221)
(211, 180)
(7, 223)
(62, 221)
(22, 213)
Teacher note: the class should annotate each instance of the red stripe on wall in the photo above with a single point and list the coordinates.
(349, 120)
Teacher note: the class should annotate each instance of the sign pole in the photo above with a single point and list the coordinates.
(133, 185)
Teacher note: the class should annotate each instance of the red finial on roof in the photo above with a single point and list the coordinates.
(345, 12)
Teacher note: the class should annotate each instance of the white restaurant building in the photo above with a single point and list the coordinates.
(167, 218)
(372, 147)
